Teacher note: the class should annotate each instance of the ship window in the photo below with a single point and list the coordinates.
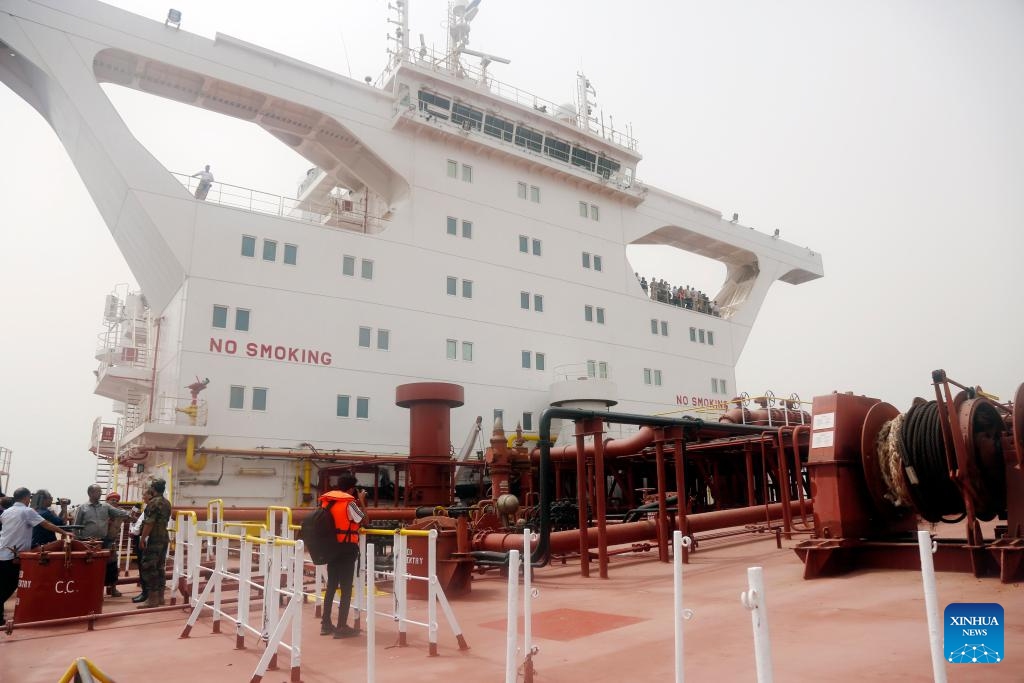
(453, 169)
(657, 378)
(259, 398)
(367, 269)
(236, 400)
(467, 117)
(467, 350)
(714, 385)
(586, 259)
(536, 247)
(434, 104)
(362, 407)
(452, 285)
(499, 127)
(242, 319)
(647, 375)
(700, 335)
(467, 229)
(595, 213)
(711, 338)
(521, 190)
(583, 209)
(600, 315)
(291, 254)
(721, 386)
(527, 422)
(606, 166)
(467, 289)
(524, 300)
(557, 149)
(364, 337)
(467, 173)
(269, 250)
(248, 246)
(342, 407)
(528, 138)
(654, 326)
(527, 359)
(453, 226)
(539, 358)
(592, 368)
(534, 194)
(664, 329)
(693, 334)
(499, 414)
(588, 313)
(220, 316)
(583, 158)
(348, 265)
(452, 349)
(524, 244)
(383, 339)
(538, 303)
(597, 262)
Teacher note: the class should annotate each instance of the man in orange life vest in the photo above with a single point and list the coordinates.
(347, 511)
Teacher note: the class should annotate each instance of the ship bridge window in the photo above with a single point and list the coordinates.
(291, 254)
(242, 319)
(435, 105)
(606, 167)
(259, 398)
(362, 407)
(557, 149)
(269, 250)
(583, 158)
(467, 117)
(236, 400)
(248, 246)
(529, 138)
(499, 128)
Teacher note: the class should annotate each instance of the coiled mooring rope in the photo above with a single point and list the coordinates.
(912, 457)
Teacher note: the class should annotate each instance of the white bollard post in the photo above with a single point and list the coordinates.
(432, 592)
(527, 597)
(371, 636)
(678, 613)
(401, 611)
(513, 613)
(931, 602)
(754, 600)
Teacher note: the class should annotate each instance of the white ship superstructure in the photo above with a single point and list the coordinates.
(451, 229)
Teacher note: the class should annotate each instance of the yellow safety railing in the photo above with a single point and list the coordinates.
(86, 670)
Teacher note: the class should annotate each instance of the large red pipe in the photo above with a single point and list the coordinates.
(613, 448)
(634, 532)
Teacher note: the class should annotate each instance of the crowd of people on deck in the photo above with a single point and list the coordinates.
(683, 296)
(29, 521)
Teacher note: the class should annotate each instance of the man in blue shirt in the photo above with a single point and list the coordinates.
(41, 502)
(15, 537)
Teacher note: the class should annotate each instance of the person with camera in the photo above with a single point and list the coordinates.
(41, 502)
(16, 536)
(94, 518)
(346, 506)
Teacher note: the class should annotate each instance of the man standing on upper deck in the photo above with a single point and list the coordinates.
(205, 181)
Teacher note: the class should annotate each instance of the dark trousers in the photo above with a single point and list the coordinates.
(153, 566)
(8, 581)
(340, 570)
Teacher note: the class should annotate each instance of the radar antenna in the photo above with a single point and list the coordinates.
(460, 15)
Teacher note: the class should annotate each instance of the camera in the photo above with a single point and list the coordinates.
(63, 501)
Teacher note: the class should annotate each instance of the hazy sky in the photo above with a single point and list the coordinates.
(885, 135)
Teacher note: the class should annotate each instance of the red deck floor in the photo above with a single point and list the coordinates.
(869, 625)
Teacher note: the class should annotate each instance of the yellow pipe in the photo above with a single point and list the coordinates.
(169, 481)
(307, 474)
(525, 437)
(190, 453)
(270, 515)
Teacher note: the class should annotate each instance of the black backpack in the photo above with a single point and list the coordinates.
(320, 535)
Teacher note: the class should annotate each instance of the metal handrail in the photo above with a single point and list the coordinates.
(257, 201)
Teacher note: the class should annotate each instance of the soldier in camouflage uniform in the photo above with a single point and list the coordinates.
(153, 544)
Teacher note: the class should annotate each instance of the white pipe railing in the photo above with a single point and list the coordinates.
(371, 615)
(511, 629)
(679, 614)
(754, 600)
(931, 601)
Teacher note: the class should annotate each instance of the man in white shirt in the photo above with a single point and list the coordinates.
(15, 537)
(205, 181)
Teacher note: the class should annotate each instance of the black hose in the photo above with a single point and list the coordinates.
(933, 492)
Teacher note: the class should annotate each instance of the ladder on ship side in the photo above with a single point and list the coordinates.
(104, 473)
